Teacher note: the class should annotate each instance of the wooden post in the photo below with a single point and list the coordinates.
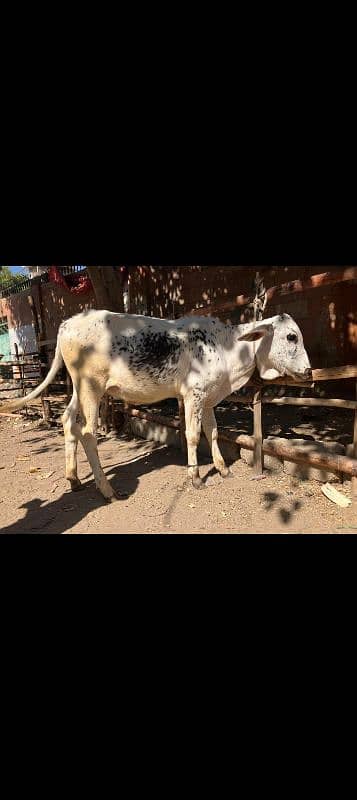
(182, 425)
(68, 386)
(118, 418)
(21, 374)
(148, 286)
(35, 317)
(104, 408)
(258, 434)
(354, 455)
(46, 409)
(112, 414)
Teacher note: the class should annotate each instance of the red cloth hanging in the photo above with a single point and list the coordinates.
(81, 283)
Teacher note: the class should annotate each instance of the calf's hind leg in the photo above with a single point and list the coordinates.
(209, 425)
(89, 402)
(71, 433)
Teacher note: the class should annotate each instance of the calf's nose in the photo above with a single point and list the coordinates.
(308, 374)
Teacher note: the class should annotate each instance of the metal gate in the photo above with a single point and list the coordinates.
(5, 351)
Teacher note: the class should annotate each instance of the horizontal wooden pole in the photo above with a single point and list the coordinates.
(320, 460)
(331, 462)
(311, 401)
(19, 363)
(29, 386)
(328, 278)
(243, 440)
(326, 374)
(295, 401)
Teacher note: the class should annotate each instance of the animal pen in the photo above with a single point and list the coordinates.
(31, 367)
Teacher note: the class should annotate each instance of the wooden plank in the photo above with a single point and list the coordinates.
(21, 375)
(19, 362)
(69, 388)
(331, 462)
(311, 401)
(46, 408)
(296, 401)
(104, 413)
(30, 385)
(326, 374)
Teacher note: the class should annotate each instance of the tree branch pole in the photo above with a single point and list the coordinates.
(333, 463)
(107, 287)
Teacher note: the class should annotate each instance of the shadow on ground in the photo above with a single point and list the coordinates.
(286, 514)
(64, 512)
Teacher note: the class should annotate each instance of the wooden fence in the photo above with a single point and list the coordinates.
(325, 460)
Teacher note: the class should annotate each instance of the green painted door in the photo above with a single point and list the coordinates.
(4, 340)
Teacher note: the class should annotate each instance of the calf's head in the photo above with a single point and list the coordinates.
(280, 349)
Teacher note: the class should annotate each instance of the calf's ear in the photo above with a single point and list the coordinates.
(257, 333)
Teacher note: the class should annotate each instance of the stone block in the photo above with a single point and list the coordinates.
(154, 432)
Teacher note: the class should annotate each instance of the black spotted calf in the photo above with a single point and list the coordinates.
(145, 360)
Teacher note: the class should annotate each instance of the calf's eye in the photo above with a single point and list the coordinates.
(292, 337)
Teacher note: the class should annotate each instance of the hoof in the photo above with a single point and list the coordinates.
(117, 496)
(226, 473)
(113, 499)
(76, 485)
(197, 483)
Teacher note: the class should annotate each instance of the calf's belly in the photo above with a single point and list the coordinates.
(141, 395)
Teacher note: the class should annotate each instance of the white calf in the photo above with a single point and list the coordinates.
(145, 360)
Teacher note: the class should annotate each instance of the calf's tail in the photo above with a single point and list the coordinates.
(57, 362)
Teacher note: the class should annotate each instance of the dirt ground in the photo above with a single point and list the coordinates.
(35, 497)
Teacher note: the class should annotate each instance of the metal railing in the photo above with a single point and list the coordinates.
(15, 286)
